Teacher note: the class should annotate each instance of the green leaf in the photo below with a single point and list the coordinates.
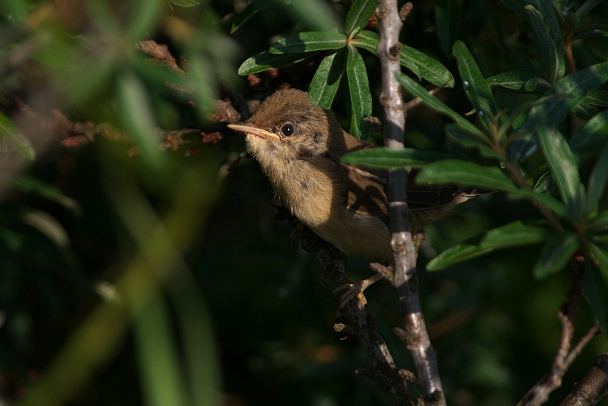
(11, 136)
(557, 251)
(422, 65)
(310, 41)
(518, 80)
(596, 292)
(360, 95)
(548, 34)
(549, 201)
(456, 254)
(447, 22)
(252, 8)
(265, 60)
(597, 180)
(600, 221)
(475, 86)
(593, 133)
(465, 173)
(418, 91)
(601, 256)
(514, 235)
(358, 15)
(326, 81)
(383, 157)
(470, 140)
(575, 86)
(185, 3)
(563, 164)
(584, 9)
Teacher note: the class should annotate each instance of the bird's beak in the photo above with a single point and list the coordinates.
(253, 130)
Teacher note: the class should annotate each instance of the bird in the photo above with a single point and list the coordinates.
(298, 146)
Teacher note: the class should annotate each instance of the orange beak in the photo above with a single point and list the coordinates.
(253, 130)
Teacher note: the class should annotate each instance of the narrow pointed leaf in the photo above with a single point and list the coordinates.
(358, 15)
(465, 173)
(326, 81)
(360, 95)
(597, 180)
(563, 164)
(548, 34)
(519, 81)
(596, 292)
(447, 22)
(383, 157)
(546, 199)
(513, 235)
(252, 8)
(10, 135)
(470, 140)
(557, 251)
(417, 90)
(456, 254)
(422, 65)
(265, 60)
(310, 41)
(475, 86)
(593, 133)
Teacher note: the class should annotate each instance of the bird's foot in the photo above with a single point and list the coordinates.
(351, 291)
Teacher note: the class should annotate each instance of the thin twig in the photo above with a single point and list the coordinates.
(405, 280)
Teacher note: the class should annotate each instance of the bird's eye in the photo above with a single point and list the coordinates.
(287, 129)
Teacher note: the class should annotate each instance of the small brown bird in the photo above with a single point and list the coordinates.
(299, 145)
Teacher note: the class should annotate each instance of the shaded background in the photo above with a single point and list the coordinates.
(135, 268)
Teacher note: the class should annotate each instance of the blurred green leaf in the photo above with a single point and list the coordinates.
(418, 91)
(456, 254)
(600, 221)
(252, 8)
(513, 235)
(358, 15)
(593, 133)
(470, 140)
(11, 136)
(546, 199)
(558, 250)
(309, 42)
(548, 34)
(265, 60)
(422, 65)
(144, 14)
(383, 157)
(563, 165)
(586, 7)
(518, 80)
(326, 81)
(596, 291)
(595, 30)
(475, 86)
(185, 3)
(360, 96)
(465, 173)
(34, 186)
(312, 14)
(597, 181)
(447, 22)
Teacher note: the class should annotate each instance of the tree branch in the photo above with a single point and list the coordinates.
(405, 280)
(593, 387)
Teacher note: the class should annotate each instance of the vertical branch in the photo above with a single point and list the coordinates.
(405, 280)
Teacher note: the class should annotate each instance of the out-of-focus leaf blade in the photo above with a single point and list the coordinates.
(185, 3)
(596, 291)
(310, 41)
(563, 164)
(11, 136)
(419, 63)
(326, 81)
(558, 249)
(597, 180)
(465, 173)
(513, 235)
(518, 80)
(360, 95)
(471, 140)
(358, 15)
(546, 199)
(252, 8)
(265, 60)
(383, 157)
(418, 91)
(447, 22)
(475, 86)
(456, 254)
(593, 133)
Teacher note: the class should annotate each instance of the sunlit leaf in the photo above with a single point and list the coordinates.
(309, 42)
(557, 251)
(358, 15)
(360, 95)
(326, 81)
(475, 86)
(465, 173)
(383, 157)
(518, 80)
(422, 65)
(456, 254)
(265, 60)
(417, 90)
